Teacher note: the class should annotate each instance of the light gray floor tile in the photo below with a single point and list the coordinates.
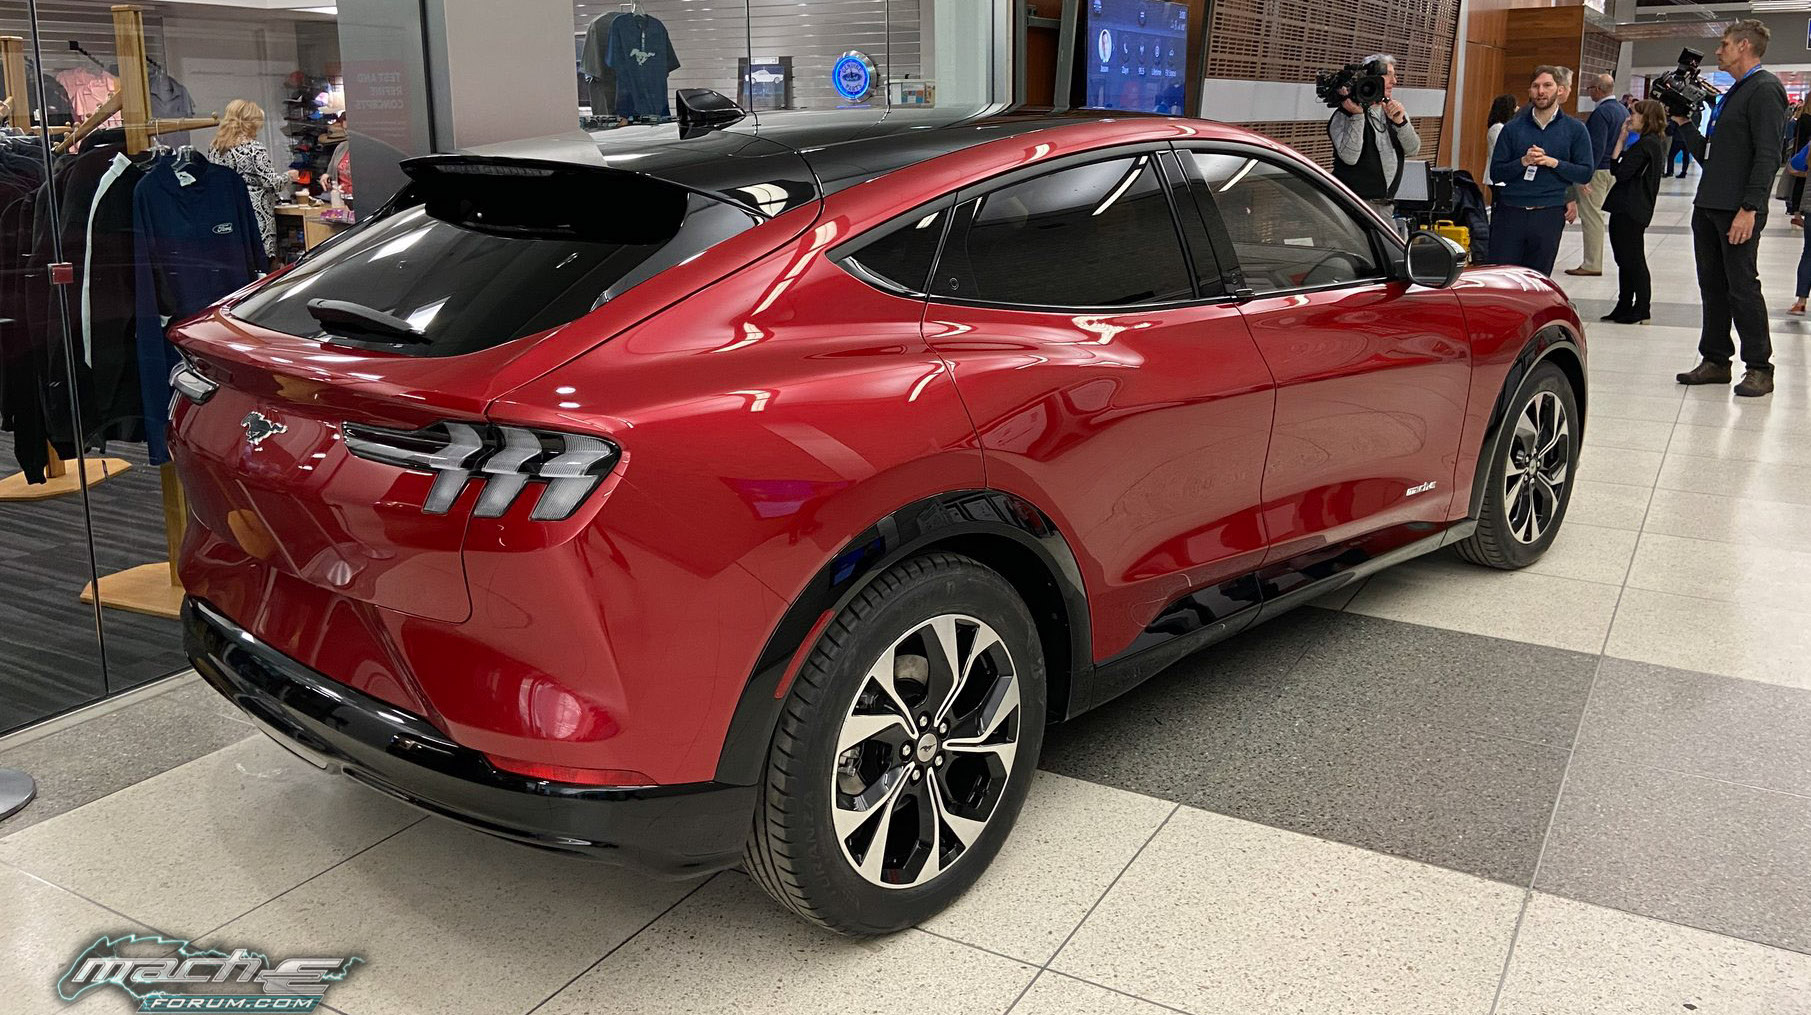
(1614, 432)
(1732, 477)
(1223, 916)
(1533, 608)
(1619, 465)
(1575, 959)
(528, 921)
(1730, 519)
(1071, 840)
(1743, 445)
(1706, 854)
(1658, 408)
(1056, 994)
(1608, 505)
(1745, 414)
(42, 930)
(1741, 731)
(1590, 553)
(1735, 639)
(192, 848)
(1763, 576)
(731, 949)
(118, 749)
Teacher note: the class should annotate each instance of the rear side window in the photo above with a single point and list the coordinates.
(1287, 231)
(902, 259)
(468, 260)
(1098, 235)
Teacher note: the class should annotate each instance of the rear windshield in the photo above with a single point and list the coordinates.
(471, 259)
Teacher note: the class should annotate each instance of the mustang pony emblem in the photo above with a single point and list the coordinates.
(258, 429)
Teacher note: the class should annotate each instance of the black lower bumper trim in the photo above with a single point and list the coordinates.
(671, 831)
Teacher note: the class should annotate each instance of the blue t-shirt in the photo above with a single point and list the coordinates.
(642, 56)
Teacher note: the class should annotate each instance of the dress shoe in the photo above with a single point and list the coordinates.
(1756, 383)
(1616, 316)
(1706, 372)
(1583, 271)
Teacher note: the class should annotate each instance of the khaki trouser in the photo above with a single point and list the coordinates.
(1590, 214)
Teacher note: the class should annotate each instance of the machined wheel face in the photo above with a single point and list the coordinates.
(925, 752)
(1538, 467)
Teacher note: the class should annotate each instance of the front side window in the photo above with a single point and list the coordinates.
(1288, 232)
(1099, 235)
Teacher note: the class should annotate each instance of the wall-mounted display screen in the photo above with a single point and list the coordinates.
(1135, 52)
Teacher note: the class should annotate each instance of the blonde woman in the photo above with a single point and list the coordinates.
(236, 146)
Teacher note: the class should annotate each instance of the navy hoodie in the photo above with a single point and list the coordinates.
(1564, 138)
(197, 241)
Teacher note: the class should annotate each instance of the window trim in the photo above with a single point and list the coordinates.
(970, 193)
(846, 255)
(1388, 252)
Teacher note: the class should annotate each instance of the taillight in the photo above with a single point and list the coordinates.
(507, 458)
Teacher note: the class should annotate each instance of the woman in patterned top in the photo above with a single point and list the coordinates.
(236, 146)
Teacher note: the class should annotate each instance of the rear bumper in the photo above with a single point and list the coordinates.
(670, 831)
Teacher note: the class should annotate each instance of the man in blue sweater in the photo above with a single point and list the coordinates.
(1540, 155)
(1605, 127)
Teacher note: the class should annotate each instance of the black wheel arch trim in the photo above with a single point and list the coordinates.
(950, 519)
(1541, 347)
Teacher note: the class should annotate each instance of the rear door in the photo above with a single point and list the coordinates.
(335, 432)
(1372, 371)
(1105, 384)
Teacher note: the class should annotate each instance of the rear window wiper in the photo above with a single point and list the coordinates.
(340, 314)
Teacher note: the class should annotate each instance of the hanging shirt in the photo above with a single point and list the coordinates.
(642, 56)
(197, 241)
(88, 90)
(600, 80)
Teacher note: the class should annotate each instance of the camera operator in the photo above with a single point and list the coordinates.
(1740, 152)
(1371, 144)
(1539, 156)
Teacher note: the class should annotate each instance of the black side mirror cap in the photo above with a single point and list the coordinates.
(701, 109)
(1433, 260)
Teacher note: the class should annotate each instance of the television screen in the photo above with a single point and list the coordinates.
(1135, 52)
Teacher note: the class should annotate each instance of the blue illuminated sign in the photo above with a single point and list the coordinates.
(853, 76)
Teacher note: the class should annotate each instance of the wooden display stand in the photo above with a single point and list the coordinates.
(152, 589)
(92, 471)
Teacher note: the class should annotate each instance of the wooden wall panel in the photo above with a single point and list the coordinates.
(1550, 35)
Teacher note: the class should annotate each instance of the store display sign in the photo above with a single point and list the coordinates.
(853, 76)
(1136, 55)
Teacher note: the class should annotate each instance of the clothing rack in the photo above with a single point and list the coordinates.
(152, 589)
(61, 481)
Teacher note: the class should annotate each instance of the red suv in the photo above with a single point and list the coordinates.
(688, 498)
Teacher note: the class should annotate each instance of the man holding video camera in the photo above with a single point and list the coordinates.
(1740, 152)
(1370, 143)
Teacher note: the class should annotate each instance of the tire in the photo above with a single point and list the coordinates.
(1525, 500)
(841, 763)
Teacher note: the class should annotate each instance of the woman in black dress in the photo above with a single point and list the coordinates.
(1638, 169)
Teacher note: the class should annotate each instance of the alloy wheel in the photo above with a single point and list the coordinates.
(1538, 467)
(925, 752)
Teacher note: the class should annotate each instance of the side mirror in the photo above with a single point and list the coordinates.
(1433, 260)
(701, 109)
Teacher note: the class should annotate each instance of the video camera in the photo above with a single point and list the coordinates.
(1681, 89)
(1360, 82)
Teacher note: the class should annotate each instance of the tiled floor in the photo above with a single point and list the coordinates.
(1583, 788)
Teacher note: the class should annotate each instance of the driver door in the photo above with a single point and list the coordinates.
(1372, 372)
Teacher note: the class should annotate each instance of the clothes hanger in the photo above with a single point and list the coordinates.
(77, 47)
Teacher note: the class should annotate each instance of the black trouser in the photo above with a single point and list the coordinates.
(1628, 242)
(1730, 286)
(1679, 152)
(1526, 236)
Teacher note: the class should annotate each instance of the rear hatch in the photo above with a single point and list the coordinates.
(485, 273)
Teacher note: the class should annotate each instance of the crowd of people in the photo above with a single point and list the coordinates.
(1548, 169)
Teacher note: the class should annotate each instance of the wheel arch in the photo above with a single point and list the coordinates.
(999, 530)
(1557, 344)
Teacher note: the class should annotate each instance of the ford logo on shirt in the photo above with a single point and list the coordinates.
(224, 229)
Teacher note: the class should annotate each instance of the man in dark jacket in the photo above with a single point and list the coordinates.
(1740, 152)
(1540, 155)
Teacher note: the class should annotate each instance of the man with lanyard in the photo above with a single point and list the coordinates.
(1740, 152)
(1371, 144)
(1540, 154)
